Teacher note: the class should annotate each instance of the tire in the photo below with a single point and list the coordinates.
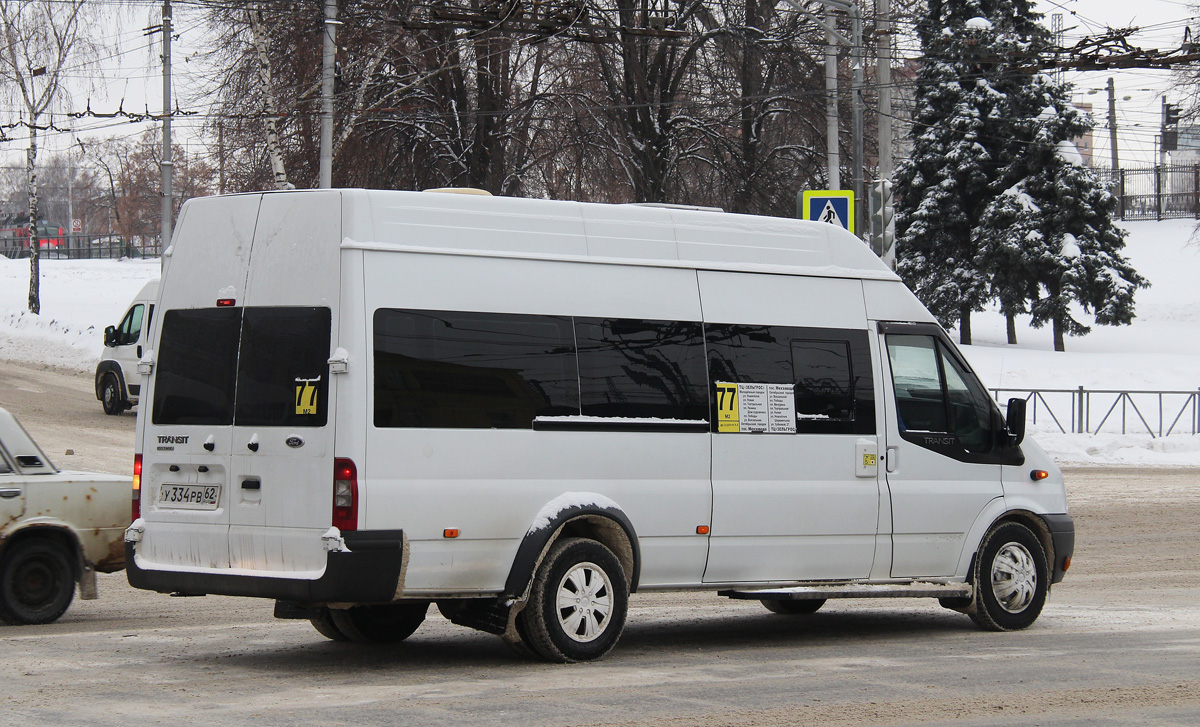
(1011, 579)
(578, 603)
(793, 607)
(110, 395)
(384, 624)
(37, 583)
(323, 623)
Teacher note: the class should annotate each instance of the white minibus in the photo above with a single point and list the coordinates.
(363, 403)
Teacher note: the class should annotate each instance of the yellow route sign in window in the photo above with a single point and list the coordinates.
(727, 408)
(306, 395)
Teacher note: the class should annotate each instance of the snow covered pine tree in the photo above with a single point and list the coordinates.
(961, 144)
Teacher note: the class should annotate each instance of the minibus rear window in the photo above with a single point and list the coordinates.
(282, 367)
(197, 366)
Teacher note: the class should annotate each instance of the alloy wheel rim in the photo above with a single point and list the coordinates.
(584, 602)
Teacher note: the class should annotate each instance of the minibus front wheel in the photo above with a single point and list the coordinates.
(1011, 578)
(578, 602)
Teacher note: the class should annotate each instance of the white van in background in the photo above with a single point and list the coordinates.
(360, 403)
(118, 383)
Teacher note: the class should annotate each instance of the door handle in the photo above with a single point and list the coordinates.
(10, 494)
(251, 484)
(891, 458)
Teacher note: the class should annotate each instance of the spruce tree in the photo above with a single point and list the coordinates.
(1048, 240)
(962, 136)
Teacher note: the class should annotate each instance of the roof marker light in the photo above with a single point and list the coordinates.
(226, 302)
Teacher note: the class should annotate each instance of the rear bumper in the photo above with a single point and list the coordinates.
(369, 573)
(1062, 533)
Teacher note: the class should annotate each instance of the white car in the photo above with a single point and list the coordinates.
(59, 528)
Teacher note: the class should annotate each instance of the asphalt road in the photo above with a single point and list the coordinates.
(1118, 643)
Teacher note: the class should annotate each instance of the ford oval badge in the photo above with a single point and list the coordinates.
(295, 441)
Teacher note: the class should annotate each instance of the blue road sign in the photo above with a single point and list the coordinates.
(834, 206)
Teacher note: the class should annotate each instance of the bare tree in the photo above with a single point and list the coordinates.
(39, 37)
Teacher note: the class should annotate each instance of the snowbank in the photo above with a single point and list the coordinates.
(79, 298)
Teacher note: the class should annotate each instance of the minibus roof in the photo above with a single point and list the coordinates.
(603, 233)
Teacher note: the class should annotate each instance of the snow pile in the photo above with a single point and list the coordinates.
(1160, 351)
(79, 298)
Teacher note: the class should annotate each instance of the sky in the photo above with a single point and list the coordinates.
(131, 72)
(1138, 117)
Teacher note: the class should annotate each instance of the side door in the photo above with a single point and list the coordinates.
(944, 449)
(281, 484)
(127, 346)
(794, 374)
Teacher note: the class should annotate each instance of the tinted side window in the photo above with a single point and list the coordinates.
(644, 369)
(824, 380)
(131, 326)
(829, 368)
(197, 365)
(473, 370)
(937, 395)
(282, 367)
(917, 380)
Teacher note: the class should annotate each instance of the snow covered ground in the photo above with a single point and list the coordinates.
(1160, 351)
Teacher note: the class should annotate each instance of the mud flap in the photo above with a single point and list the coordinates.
(87, 582)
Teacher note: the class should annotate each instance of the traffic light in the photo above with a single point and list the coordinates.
(1170, 127)
(1170, 115)
(883, 226)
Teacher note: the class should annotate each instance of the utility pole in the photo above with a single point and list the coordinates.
(883, 40)
(883, 43)
(833, 159)
(167, 165)
(856, 116)
(325, 180)
(1112, 124)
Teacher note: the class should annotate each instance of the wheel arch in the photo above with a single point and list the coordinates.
(603, 522)
(64, 536)
(110, 367)
(995, 515)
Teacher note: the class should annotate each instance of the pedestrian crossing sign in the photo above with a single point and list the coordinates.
(835, 206)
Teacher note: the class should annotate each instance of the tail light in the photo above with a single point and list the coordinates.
(345, 494)
(137, 486)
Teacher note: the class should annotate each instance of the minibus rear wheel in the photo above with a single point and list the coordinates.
(382, 624)
(793, 606)
(1011, 578)
(323, 623)
(578, 602)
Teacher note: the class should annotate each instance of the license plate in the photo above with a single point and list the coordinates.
(189, 497)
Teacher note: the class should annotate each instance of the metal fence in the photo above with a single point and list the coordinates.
(81, 247)
(1158, 192)
(1095, 411)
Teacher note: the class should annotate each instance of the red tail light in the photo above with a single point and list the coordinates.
(137, 486)
(345, 494)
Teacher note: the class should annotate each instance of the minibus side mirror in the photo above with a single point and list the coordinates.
(110, 336)
(1015, 421)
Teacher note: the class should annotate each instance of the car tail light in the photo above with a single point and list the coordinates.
(137, 486)
(345, 494)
